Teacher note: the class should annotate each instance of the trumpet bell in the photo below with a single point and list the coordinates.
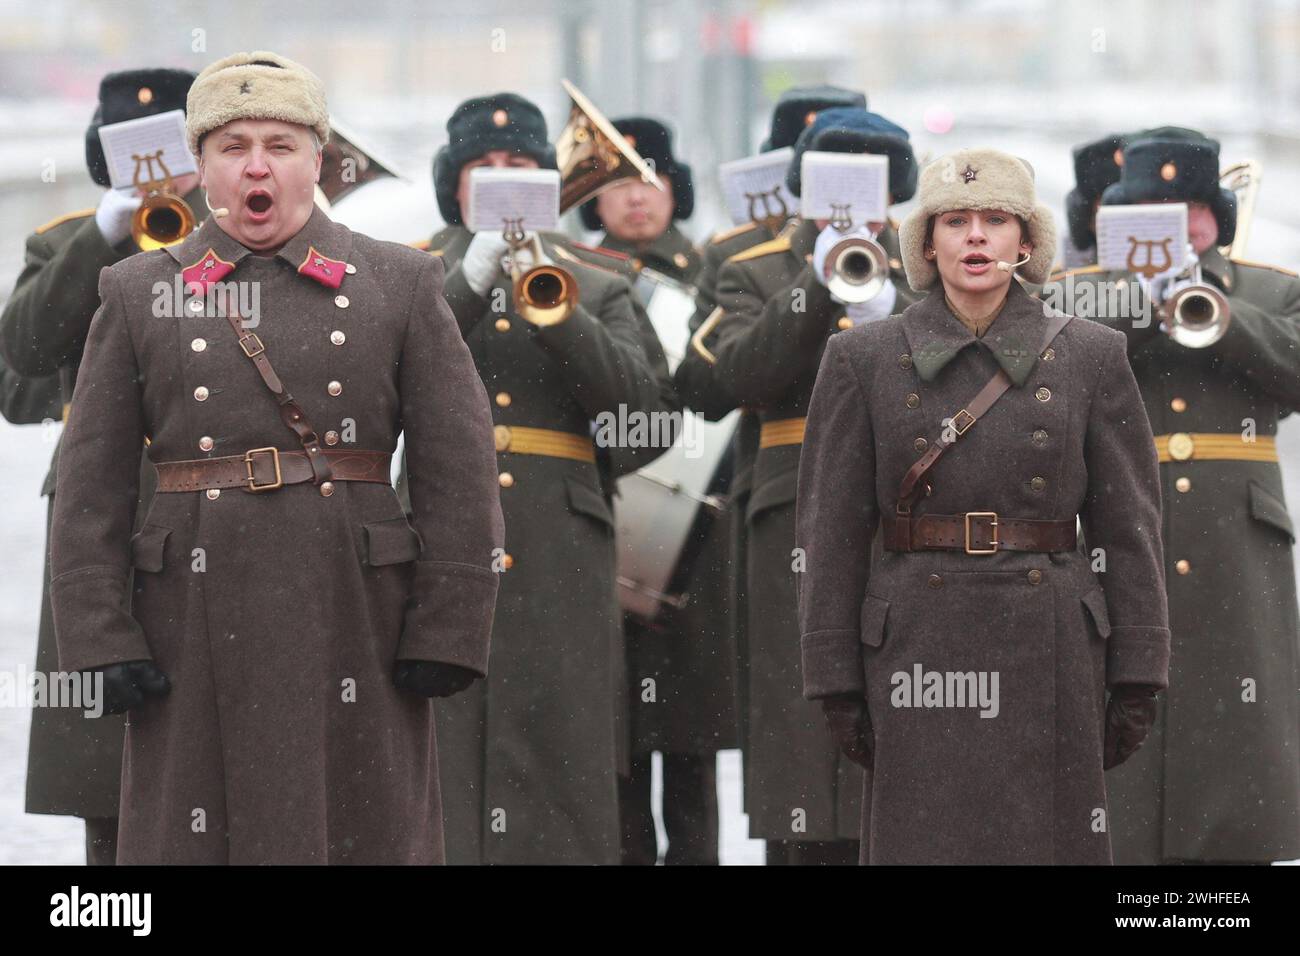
(592, 155)
(858, 269)
(545, 295)
(163, 219)
(1197, 316)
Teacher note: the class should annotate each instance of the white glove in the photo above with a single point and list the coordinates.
(114, 212)
(482, 261)
(879, 306)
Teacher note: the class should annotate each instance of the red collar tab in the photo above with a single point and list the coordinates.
(209, 269)
(326, 271)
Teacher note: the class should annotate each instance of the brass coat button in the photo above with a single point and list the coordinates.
(501, 436)
(1183, 484)
(1043, 393)
(1181, 446)
(206, 443)
(905, 361)
(201, 394)
(920, 444)
(1040, 436)
(680, 260)
(935, 581)
(503, 325)
(1035, 576)
(844, 322)
(1183, 566)
(199, 345)
(913, 400)
(196, 305)
(507, 561)
(341, 301)
(503, 399)
(334, 388)
(326, 488)
(1179, 404)
(350, 269)
(337, 337)
(213, 494)
(505, 479)
(1038, 483)
(1049, 354)
(331, 438)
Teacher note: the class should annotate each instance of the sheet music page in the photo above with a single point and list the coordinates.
(1130, 237)
(754, 187)
(146, 135)
(859, 181)
(495, 195)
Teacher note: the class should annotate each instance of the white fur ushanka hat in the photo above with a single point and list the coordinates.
(258, 85)
(977, 179)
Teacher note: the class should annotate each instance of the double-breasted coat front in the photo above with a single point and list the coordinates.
(278, 615)
(1015, 776)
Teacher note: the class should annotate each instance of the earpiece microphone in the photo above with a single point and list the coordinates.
(223, 211)
(1008, 266)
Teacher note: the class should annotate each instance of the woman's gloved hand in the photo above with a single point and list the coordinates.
(128, 683)
(1129, 715)
(432, 678)
(850, 725)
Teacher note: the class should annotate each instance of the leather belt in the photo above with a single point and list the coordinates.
(1214, 446)
(265, 469)
(977, 532)
(782, 431)
(520, 440)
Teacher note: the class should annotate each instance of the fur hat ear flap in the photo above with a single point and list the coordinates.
(921, 272)
(683, 192)
(590, 220)
(1042, 233)
(445, 183)
(1224, 207)
(1078, 214)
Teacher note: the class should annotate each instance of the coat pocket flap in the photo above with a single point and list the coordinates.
(780, 490)
(147, 547)
(1095, 602)
(872, 620)
(588, 501)
(1268, 508)
(392, 542)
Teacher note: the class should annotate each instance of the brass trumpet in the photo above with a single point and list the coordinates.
(1197, 315)
(858, 268)
(545, 294)
(164, 218)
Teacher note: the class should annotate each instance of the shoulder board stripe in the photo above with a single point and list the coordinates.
(1264, 265)
(732, 233)
(779, 244)
(568, 256)
(602, 251)
(60, 220)
(422, 245)
(1082, 270)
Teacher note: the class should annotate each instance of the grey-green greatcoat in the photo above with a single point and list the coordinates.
(1219, 777)
(778, 318)
(530, 756)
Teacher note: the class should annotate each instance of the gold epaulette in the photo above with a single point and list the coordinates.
(601, 251)
(60, 220)
(740, 230)
(423, 246)
(779, 244)
(1082, 270)
(1264, 265)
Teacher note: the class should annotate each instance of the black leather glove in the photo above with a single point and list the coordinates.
(1129, 715)
(850, 725)
(432, 678)
(127, 684)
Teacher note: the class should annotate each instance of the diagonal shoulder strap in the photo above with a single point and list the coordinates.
(290, 411)
(912, 485)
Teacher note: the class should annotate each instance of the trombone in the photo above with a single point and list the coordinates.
(164, 218)
(592, 156)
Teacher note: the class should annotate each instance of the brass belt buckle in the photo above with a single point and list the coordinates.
(962, 429)
(275, 458)
(994, 524)
(254, 350)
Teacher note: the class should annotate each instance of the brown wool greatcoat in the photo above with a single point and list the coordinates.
(798, 786)
(278, 616)
(1219, 779)
(1069, 437)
